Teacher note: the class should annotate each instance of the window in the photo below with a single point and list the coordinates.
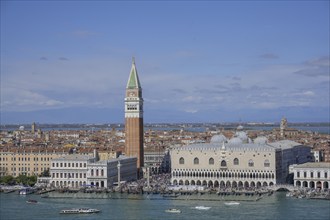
(196, 160)
(312, 174)
(211, 161)
(266, 163)
(251, 163)
(325, 175)
(318, 175)
(298, 174)
(223, 163)
(236, 161)
(305, 174)
(181, 160)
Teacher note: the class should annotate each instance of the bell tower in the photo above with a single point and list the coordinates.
(134, 118)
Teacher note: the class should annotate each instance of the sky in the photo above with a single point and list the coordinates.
(198, 61)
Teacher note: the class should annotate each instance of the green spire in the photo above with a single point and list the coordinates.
(133, 80)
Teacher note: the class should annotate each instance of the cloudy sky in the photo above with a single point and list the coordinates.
(68, 62)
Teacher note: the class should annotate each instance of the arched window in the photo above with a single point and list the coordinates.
(196, 160)
(251, 163)
(236, 161)
(181, 160)
(223, 163)
(211, 161)
(266, 163)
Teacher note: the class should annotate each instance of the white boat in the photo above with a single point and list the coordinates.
(232, 203)
(79, 211)
(173, 210)
(26, 191)
(202, 207)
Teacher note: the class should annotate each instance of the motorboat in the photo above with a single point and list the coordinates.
(232, 203)
(173, 210)
(202, 207)
(26, 191)
(79, 211)
(32, 201)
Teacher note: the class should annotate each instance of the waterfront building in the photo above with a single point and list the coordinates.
(134, 118)
(27, 162)
(105, 173)
(311, 175)
(157, 161)
(237, 162)
(70, 171)
(76, 171)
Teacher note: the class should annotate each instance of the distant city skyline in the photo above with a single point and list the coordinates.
(215, 61)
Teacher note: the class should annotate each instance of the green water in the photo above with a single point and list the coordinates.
(276, 206)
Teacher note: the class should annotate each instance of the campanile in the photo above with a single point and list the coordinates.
(134, 118)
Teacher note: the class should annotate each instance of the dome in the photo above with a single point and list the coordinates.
(218, 139)
(260, 140)
(240, 127)
(235, 140)
(242, 135)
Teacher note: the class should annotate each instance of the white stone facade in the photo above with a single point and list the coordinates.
(312, 175)
(76, 171)
(105, 173)
(234, 164)
(69, 171)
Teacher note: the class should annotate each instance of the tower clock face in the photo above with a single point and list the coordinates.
(131, 94)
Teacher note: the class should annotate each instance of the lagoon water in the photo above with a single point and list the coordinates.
(276, 206)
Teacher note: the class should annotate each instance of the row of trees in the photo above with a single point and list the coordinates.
(22, 179)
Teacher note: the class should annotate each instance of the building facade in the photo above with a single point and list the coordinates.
(70, 171)
(234, 163)
(21, 162)
(157, 161)
(105, 173)
(134, 118)
(311, 175)
(76, 171)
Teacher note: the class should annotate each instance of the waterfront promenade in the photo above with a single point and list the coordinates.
(160, 185)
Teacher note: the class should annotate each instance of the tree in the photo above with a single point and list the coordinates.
(22, 179)
(45, 173)
(8, 180)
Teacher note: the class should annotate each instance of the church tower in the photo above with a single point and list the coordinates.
(134, 118)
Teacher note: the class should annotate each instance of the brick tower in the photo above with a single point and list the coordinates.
(134, 118)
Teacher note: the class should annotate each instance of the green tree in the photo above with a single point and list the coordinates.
(45, 173)
(32, 180)
(8, 180)
(21, 179)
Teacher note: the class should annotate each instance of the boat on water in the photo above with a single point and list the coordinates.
(173, 210)
(79, 211)
(26, 191)
(32, 201)
(202, 207)
(232, 203)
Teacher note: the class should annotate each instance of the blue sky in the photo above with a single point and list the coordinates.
(214, 61)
